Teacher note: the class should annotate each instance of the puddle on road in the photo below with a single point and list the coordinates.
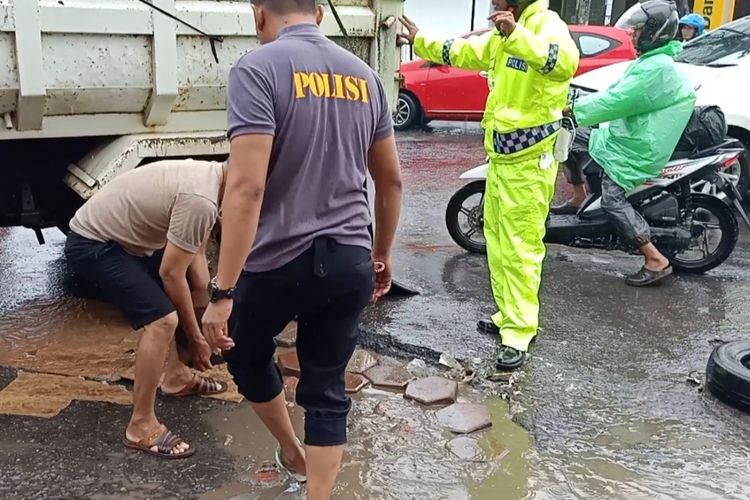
(397, 450)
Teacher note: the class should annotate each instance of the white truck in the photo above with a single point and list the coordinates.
(93, 88)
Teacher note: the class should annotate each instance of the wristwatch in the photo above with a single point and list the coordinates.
(216, 294)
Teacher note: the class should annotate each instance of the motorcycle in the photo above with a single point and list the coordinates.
(696, 231)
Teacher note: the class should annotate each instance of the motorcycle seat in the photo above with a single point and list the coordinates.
(689, 155)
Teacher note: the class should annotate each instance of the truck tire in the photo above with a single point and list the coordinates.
(728, 374)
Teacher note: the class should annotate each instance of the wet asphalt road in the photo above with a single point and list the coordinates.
(605, 395)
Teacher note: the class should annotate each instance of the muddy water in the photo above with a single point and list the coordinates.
(397, 450)
(605, 400)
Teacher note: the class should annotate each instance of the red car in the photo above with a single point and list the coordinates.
(438, 92)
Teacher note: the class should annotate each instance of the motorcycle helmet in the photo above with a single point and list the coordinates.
(657, 20)
(695, 21)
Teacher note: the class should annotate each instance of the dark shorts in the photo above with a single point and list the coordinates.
(325, 289)
(131, 283)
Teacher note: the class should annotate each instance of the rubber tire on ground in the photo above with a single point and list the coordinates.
(415, 112)
(451, 217)
(730, 231)
(728, 374)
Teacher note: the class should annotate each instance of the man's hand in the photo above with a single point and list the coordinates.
(567, 111)
(201, 352)
(408, 37)
(216, 327)
(504, 21)
(383, 277)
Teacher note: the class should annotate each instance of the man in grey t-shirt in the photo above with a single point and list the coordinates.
(306, 121)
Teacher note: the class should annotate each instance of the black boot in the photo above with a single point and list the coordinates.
(487, 326)
(509, 359)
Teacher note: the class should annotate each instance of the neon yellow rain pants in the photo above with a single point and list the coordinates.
(516, 204)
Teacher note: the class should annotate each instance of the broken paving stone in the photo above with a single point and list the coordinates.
(432, 391)
(289, 364)
(290, 384)
(465, 418)
(287, 338)
(355, 382)
(392, 377)
(361, 361)
(465, 448)
(267, 476)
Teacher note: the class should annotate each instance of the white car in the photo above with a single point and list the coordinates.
(718, 64)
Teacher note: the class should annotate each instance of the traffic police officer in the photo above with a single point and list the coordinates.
(530, 58)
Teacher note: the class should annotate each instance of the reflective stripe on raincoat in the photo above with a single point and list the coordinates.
(644, 112)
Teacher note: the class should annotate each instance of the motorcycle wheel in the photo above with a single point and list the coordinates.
(713, 215)
(469, 235)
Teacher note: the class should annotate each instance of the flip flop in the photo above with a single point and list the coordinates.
(164, 440)
(199, 386)
(300, 478)
(647, 277)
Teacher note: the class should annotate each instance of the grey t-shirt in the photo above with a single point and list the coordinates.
(325, 108)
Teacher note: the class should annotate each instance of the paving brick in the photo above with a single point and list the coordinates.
(267, 476)
(464, 418)
(289, 364)
(465, 448)
(432, 391)
(391, 377)
(361, 361)
(290, 384)
(355, 382)
(287, 338)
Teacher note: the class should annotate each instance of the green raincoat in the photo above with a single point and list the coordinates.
(529, 76)
(644, 112)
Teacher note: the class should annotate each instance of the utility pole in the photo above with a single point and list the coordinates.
(473, 13)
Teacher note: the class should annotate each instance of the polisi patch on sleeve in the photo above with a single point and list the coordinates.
(517, 64)
(331, 86)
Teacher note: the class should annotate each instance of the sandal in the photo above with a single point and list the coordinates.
(164, 440)
(199, 386)
(300, 478)
(646, 277)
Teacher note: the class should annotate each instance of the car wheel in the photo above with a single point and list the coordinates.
(407, 112)
(728, 374)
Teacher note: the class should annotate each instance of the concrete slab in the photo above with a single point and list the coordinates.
(465, 448)
(289, 364)
(392, 377)
(355, 383)
(287, 338)
(465, 418)
(432, 391)
(362, 360)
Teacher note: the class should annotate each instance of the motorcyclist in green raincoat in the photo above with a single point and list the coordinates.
(644, 114)
(530, 58)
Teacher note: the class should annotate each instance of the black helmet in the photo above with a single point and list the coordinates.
(658, 20)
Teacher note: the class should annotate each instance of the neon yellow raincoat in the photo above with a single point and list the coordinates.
(529, 76)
